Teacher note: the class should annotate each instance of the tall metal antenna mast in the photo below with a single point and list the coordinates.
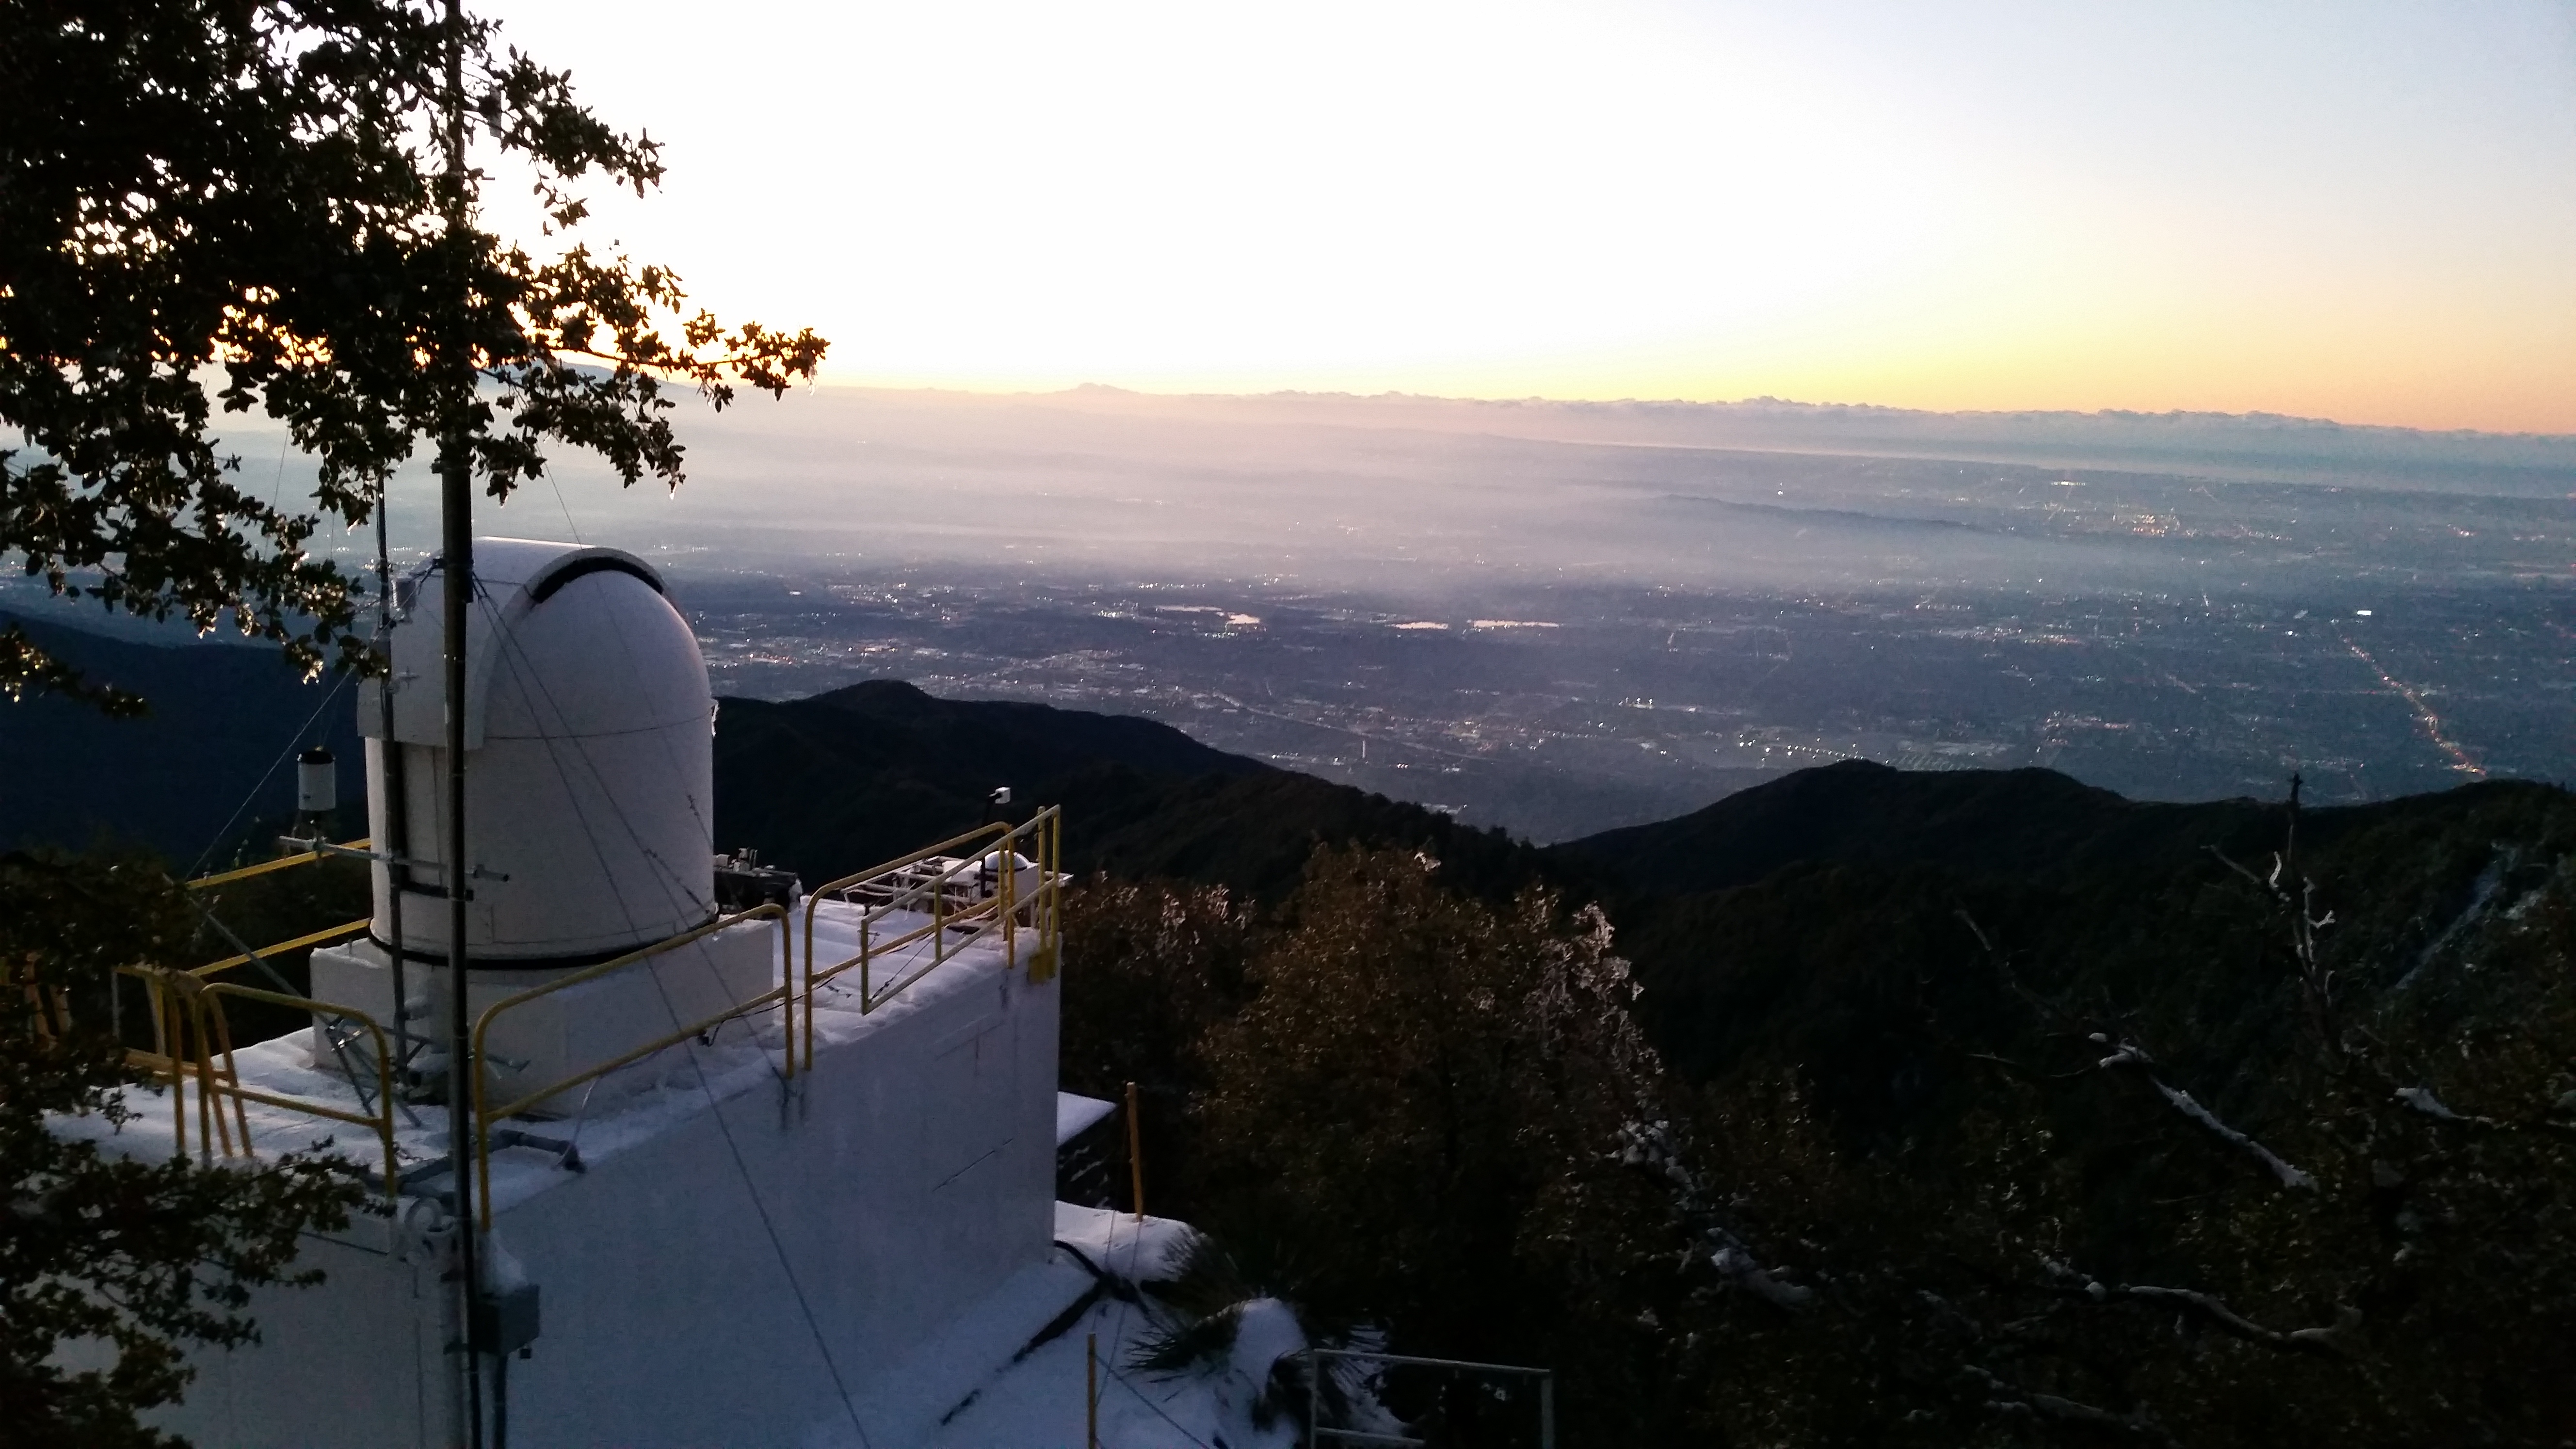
(395, 849)
(456, 525)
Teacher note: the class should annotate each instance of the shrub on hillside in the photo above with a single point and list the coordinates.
(1430, 1106)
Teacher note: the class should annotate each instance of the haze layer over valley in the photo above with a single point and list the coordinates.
(1560, 618)
(1422, 496)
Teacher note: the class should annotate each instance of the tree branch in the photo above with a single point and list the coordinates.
(2130, 1054)
(2072, 1285)
(2011, 1398)
(2320, 1341)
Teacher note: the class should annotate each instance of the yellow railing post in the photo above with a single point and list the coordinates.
(211, 1010)
(189, 1025)
(1135, 1154)
(165, 1046)
(210, 1117)
(814, 900)
(1000, 912)
(380, 1121)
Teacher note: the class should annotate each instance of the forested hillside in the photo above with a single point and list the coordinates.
(1860, 1107)
(1961, 1108)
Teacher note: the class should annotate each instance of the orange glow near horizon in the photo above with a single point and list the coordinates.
(2355, 211)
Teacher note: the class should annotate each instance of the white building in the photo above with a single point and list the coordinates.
(776, 1177)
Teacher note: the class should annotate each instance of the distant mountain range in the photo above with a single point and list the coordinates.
(2216, 444)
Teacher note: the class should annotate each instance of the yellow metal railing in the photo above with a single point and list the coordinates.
(979, 893)
(963, 898)
(265, 866)
(189, 1031)
(192, 1041)
(485, 1114)
(324, 937)
(340, 932)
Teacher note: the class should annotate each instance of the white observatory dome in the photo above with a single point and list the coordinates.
(589, 768)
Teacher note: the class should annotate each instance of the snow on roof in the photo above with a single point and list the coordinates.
(1038, 1400)
(1075, 1115)
(668, 1089)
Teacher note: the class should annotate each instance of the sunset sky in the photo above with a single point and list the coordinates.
(2352, 210)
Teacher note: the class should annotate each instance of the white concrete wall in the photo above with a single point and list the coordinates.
(906, 1177)
(355, 1361)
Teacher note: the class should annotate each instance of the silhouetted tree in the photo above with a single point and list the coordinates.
(2170, 1159)
(2356, 1233)
(252, 204)
(257, 203)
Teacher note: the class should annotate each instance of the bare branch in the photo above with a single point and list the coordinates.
(2321, 1341)
(2025, 1071)
(2251, 878)
(2010, 1398)
(2325, 1341)
(1975, 930)
(2289, 1175)
(2126, 1054)
(2130, 1054)
(2422, 1100)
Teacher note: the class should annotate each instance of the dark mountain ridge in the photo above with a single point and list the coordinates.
(221, 716)
(2026, 821)
(843, 781)
(1840, 923)
(1853, 914)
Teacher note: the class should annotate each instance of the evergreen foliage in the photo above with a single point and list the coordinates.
(2162, 1155)
(1424, 1113)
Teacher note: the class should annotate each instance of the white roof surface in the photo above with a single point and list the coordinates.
(744, 1056)
(1075, 1115)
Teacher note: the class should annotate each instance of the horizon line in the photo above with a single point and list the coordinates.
(1763, 401)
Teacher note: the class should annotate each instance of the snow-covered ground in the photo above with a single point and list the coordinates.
(1038, 1401)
